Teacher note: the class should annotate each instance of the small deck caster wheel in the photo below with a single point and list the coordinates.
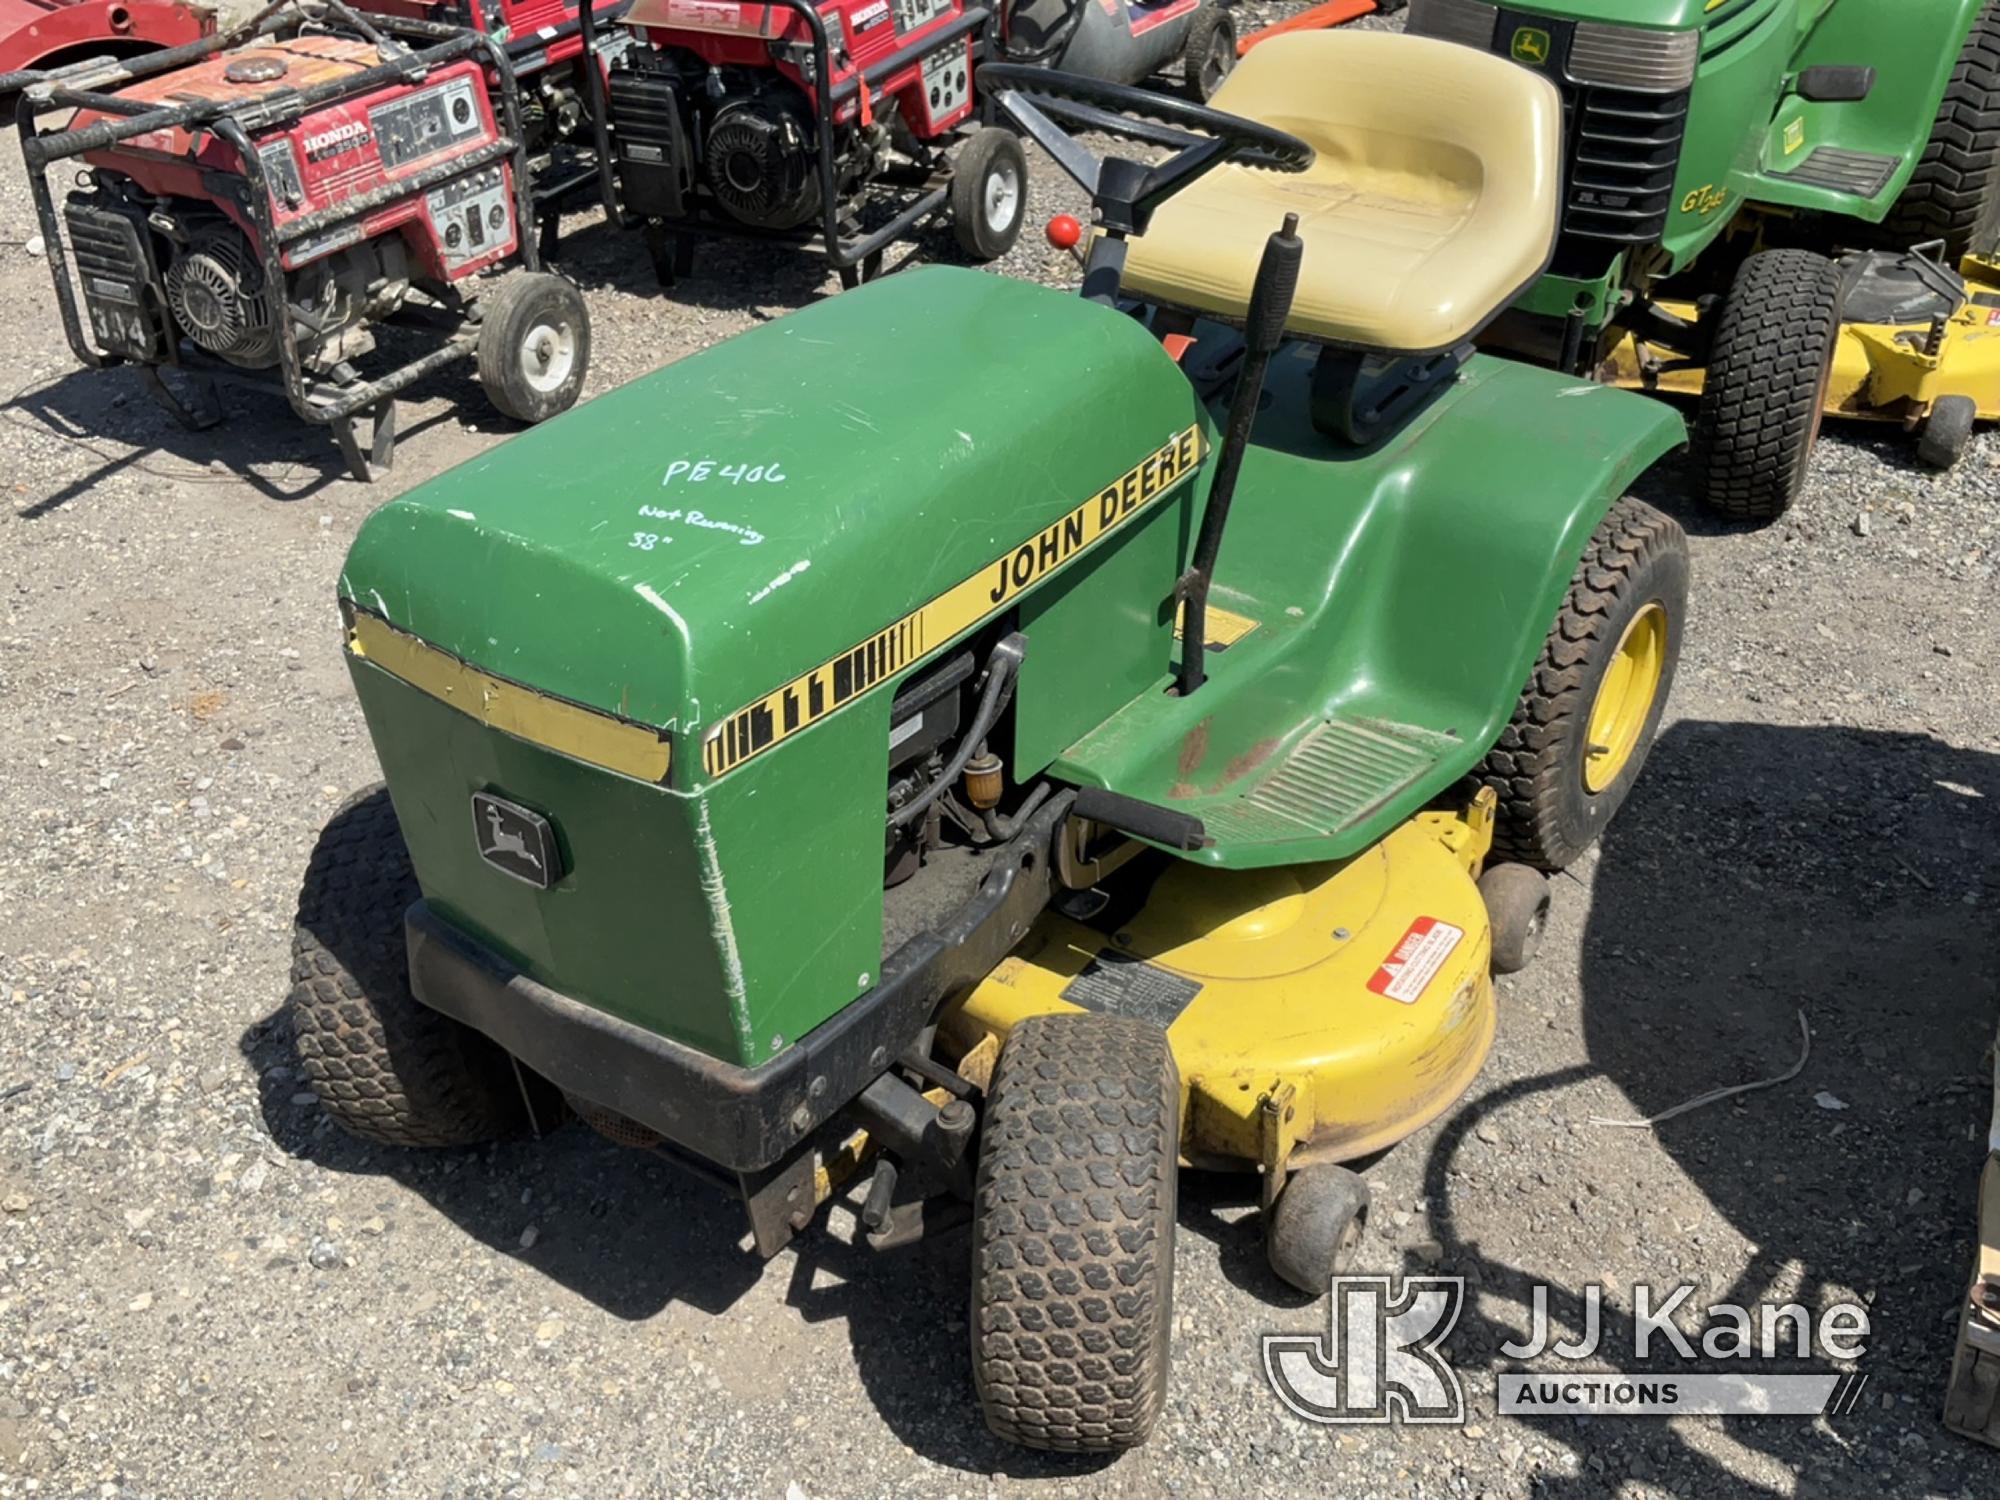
(1947, 431)
(1316, 1225)
(1517, 904)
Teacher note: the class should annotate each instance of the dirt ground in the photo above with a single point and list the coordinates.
(206, 1290)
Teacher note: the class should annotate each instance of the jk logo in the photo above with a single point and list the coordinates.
(1378, 1361)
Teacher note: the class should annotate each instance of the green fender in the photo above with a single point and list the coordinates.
(1914, 49)
(1399, 599)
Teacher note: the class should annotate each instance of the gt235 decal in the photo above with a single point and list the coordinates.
(807, 699)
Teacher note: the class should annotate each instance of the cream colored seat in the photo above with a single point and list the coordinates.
(1431, 206)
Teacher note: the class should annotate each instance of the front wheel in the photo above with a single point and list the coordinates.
(534, 346)
(1073, 1233)
(1765, 389)
(385, 1066)
(989, 194)
(1583, 724)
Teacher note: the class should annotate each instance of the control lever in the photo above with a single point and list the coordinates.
(1263, 331)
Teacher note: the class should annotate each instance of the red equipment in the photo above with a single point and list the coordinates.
(800, 121)
(254, 205)
(52, 33)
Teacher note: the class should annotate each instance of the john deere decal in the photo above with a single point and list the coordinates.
(807, 699)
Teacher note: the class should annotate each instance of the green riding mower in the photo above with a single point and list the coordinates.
(1129, 736)
(1776, 208)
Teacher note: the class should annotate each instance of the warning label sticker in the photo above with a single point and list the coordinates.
(1407, 972)
(1127, 986)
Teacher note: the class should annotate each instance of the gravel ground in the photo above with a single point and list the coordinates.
(205, 1289)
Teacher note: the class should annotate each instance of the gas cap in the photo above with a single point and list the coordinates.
(259, 67)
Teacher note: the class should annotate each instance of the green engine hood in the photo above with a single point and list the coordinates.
(690, 543)
(1664, 14)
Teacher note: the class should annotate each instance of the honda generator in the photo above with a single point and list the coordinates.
(849, 124)
(253, 207)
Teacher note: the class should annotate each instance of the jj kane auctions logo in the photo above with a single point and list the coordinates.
(1381, 1359)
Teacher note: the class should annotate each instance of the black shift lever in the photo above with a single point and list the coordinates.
(1263, 331)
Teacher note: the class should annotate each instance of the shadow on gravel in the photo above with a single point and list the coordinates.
(759, 277)
(620, 1227)
(260, 441)
(1758, 872)
(1670, 484)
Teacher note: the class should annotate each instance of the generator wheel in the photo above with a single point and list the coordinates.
(1947, 431)
(1208, 52)
(534, 346)
(989, 193)
(384, 1066)
(1765, 390)
(1952, 195)
(1583, 724)
(1073, 1233)
(1316, 1226)
(1517, 908)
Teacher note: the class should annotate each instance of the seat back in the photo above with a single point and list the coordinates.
(1432, 204)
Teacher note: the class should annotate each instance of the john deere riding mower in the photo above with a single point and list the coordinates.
(1137, 750)
(1783, 207)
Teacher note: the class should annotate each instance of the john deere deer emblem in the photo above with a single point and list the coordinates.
(1531, 46)
(515, 841)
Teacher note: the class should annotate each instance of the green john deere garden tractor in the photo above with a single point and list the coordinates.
(1000, 747)
(1780, 208)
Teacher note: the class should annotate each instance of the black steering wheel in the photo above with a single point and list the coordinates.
(1126, 192)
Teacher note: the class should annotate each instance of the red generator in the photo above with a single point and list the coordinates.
(53, 33)
(846, 124)
(252, 207)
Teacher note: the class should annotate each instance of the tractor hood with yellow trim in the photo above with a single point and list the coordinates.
(682, 548)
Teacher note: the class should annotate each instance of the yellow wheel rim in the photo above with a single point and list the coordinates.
(1625, 698)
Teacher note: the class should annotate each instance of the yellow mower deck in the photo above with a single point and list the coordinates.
(1883, 372)
(1316, 1013)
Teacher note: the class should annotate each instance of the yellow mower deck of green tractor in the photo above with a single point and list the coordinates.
(1935, 375)
(1317, 1013)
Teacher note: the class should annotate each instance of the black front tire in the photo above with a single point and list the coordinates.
(385, 1067)
(1073, 1234)
(1765, 388)
(989, 194)
(1548, 814)
(534, 346)
(1208, 52)
(1955, 192)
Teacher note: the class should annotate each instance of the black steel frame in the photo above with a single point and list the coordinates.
(845, 254)
(81, 86)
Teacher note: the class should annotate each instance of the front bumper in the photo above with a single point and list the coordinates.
(742, 1119)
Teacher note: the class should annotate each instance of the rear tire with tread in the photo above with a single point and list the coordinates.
(1546, 816)
(1951, 195)
(386, 1067)
(1073, 1233)
(1765, 386)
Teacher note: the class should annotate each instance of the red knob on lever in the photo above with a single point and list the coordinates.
(1064, 232)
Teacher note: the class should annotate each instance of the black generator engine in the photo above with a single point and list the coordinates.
(740, 137)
